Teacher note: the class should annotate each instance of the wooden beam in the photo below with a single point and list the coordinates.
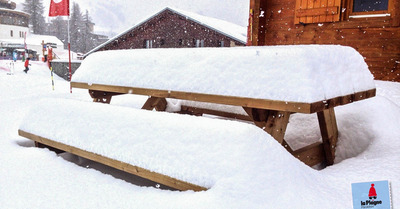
(160, 104)
(311, 155)
(329, 133)
(200, 111)
(287, 106)
(273, 122)
(341, 100)
(135, 170)
(39, 145)
(102, 96)
(255, 21)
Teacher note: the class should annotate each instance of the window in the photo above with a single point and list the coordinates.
(199, 43)
(370, 8)
(148, 44)
(221, 43)
(370, 5)
(11, 33)
(307, 11)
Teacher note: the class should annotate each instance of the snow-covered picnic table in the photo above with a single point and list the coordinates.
(267, 84)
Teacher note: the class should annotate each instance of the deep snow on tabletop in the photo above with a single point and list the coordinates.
(288, 73)
(38, 178)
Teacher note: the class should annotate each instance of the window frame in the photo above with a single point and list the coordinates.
(380, 13)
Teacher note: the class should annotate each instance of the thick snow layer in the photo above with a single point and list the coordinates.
(38, 178)
(157, 141)
(288, 73)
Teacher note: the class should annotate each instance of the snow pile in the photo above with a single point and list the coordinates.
(287, 73)
(38, 178)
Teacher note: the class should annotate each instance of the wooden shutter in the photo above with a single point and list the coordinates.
(317, 11)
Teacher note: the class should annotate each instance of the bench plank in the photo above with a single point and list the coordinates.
(135, 170)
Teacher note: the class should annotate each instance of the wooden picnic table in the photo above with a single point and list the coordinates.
(268, 83)
(272, 116)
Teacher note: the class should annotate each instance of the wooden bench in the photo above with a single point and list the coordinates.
(180, 151)
(118, 139)
(203, 75)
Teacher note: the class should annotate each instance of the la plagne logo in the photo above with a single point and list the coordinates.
(374, 195)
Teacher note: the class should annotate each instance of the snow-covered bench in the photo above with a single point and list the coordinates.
(268, 83)
(140, 142)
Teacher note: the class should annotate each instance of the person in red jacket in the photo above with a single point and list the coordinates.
(27, 65)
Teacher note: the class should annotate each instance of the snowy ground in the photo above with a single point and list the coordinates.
(369, 141)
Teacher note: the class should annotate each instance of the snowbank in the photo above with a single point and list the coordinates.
(287, 73)
(38, 178)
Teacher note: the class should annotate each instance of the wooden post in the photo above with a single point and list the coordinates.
(160, 104)
(329, 133)
(43, 48)
(254, 18)
(271, 121)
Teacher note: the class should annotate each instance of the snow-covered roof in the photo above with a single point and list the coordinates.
(232, 30)
(301, 73)
(229, 29)
(15, 11)
(33, 39)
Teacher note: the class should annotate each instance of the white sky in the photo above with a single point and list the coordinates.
(116, 16)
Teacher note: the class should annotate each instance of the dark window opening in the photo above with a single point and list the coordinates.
(369, 5)
(180, 42)
(147, 44)
(199, 43)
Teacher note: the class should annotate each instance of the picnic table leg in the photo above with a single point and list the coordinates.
(271, 121)
(41, 145)
(102, 96)
(159, 103)
(329, 133)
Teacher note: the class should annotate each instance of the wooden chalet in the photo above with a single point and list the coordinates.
(371, 27)
(174, 28)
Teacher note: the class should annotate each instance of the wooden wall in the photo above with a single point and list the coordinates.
(377, 39)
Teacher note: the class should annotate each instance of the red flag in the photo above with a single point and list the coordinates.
(59, 8)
